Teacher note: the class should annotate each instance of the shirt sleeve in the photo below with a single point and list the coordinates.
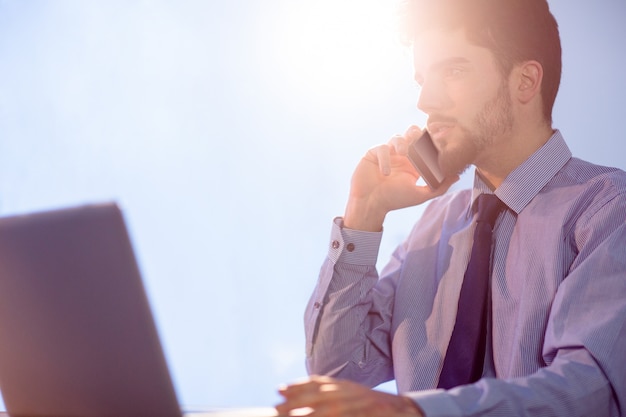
(345, 321)
(584, 343)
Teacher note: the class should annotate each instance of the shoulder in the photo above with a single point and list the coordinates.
(583, 196)
(592, 185)
(578, 172)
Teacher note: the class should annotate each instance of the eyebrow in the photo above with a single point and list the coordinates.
(444, 63)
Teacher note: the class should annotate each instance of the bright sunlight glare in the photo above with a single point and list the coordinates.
(341, 48)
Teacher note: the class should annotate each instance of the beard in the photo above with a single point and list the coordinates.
(494, 120)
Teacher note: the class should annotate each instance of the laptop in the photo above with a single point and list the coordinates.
(77, 335)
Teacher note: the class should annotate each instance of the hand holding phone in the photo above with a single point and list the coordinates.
(424, 156)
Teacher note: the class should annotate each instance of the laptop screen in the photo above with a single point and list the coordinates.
(78, 336)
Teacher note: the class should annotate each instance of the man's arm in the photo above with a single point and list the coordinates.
(348, 317)
(346, 321)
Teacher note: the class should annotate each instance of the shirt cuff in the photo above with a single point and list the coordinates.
(354, 247)
(435, 403)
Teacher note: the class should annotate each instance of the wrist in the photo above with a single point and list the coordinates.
(411, 408)
(360, 215)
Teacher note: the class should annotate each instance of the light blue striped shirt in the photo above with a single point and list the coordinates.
(558, 301)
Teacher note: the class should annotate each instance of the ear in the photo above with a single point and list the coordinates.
(527, 81)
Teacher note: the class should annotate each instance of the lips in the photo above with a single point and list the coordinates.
(438, 129)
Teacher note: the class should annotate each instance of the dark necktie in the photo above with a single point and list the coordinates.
(465, 356)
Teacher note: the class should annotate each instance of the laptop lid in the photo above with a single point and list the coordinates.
(77, 337)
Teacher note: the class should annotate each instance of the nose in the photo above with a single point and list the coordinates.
(432, 97)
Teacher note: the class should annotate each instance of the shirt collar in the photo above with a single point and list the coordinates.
(525, 181)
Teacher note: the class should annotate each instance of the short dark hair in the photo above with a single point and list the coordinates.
(514, 30)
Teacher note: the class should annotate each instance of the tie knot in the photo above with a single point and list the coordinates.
(489, 206)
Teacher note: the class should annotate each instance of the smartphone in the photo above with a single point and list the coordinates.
(424, 156)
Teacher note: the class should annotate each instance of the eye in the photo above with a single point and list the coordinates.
(453, 72)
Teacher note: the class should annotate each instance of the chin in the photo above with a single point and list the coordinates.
(452, 164)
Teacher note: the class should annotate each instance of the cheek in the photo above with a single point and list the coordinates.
(470, 101)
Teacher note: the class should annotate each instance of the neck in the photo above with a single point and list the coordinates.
(510, 152)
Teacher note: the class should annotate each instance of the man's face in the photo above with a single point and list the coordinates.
(465, 96)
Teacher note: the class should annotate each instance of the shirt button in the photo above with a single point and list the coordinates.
(335, 244)
(317, 305)
(350, 247)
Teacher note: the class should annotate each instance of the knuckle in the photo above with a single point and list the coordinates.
(413, 131)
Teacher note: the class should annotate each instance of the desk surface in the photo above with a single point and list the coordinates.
(235, 412)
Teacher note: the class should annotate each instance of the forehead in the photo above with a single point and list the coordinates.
(435, 46)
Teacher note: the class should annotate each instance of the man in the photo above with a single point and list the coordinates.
(554, 331)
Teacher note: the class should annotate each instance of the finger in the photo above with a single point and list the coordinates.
(383, 154)
(370, 156)
(400, 144)
(317, 394)
(298, 389)
(295, 404)
(413, 132)
(304, 386)
(335, 409)
(344, 399)
(297, 401)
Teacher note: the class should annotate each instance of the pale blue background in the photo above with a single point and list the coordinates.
(227, 131)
